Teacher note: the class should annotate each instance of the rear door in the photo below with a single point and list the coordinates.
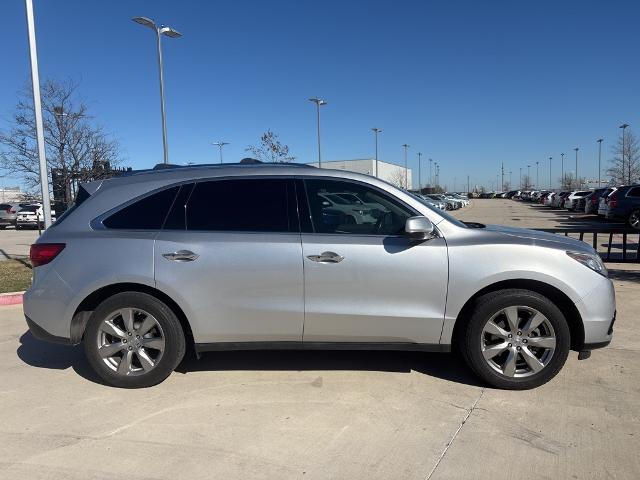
(230, 254)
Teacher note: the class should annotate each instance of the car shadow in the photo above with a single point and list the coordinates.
(624, 275)
(448, 367)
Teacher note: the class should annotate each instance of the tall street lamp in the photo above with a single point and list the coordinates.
(220, 144)
(169, 32)
(430, 179)
(406, 172)
(528, 175)
(624, 147)
(510, 184)
(561, 170)
(37, 108)
(600, 140)
(550, 181)
(537, 175)
(577, 181)
(520, 177)
(319, 102)
(420, 172)
(376, 131)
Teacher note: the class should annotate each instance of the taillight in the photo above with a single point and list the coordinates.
(613, 200)
(43, 253)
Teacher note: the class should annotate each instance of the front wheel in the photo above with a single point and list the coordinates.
(133, 340)
(516, 339)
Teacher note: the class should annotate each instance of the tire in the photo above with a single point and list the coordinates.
(633, 220)
(149, 357)
(517, 351)
(2, 227)
(18, 227)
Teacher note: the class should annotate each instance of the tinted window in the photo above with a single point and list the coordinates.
(147, 213)
(177, 218)
(367, 211)
(634, 192)
(243, 205)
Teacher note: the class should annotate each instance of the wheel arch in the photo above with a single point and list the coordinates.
(91, 301)
(557, 296)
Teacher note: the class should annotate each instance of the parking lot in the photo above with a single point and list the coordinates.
(321, 415)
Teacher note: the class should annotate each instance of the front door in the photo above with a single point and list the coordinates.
(364, 280)
(230, 255)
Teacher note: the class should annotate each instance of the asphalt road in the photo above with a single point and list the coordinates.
(16, 243)
(321, 415)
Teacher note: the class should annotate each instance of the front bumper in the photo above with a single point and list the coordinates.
(598, 312)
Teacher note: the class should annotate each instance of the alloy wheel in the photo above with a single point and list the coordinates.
(518, 341)
(130, 341)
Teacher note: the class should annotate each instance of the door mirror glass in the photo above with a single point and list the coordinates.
(419, 228)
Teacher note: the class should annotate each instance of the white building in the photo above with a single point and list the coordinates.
(389, 172)
(11, 195)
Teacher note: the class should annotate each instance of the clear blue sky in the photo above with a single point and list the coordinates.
(470, 84)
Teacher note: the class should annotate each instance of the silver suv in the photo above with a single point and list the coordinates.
(251, 257)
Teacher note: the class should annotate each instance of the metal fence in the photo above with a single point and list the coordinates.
(613, 244)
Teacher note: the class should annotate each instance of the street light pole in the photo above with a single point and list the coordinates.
(520, 177)
(577, 181)
(37, 107)
(419, 172)
(600, 140)
(406, 171)
(537, 175)
(220, 144)
(510, 184)
(550, 182)
(430, 179)
(561, 171)
(376, 131)
(624, 127)
(319, 102)
(528, 175)
(169, 32)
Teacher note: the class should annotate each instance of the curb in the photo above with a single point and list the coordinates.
(11, 298)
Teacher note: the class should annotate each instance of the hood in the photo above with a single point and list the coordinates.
(536, 237)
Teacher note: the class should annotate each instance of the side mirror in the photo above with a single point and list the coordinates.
(419, 228)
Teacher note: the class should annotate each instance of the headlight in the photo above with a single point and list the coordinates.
(593, 261)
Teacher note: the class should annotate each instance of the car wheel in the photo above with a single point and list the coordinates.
(2, 227)
(634, 220)
(133, 340)
(18, 227)
(516, 339)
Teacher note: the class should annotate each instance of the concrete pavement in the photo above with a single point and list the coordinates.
(16, 243)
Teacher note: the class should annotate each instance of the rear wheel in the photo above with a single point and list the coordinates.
(634, 219)
(516, 339)
(133, 340)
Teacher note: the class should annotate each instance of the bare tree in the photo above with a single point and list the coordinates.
(270, 149)
(397, 178)
(76, 148)
(625, 164)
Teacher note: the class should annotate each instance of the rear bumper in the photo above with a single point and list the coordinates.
(7, 221)
(41, 334)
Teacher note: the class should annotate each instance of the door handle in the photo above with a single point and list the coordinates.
(181, 256)
(326, 257)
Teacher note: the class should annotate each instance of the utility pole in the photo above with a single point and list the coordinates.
(319, 102)
(561, 171)
(550, 158)
(577, 181)
(220, 144)
(376, 131)
(430, 178)
(599, 160)
(37, 108)
(406, 171)
(419, 172)
(624, 147)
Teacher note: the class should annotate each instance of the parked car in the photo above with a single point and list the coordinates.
(603, 205)
(141, 266)
(30, 216)
(435, 203)
(8, 215)
(548, 200)
(571, 200)
(592, 201)
(558, 200)
(624, 205)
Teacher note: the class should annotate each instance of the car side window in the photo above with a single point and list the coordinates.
(350, 208)
(147, 213)
(242, 205)
(634, 192)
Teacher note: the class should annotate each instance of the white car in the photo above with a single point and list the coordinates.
(572, 200)
(30, 215)
(603, 205)
(548, 200)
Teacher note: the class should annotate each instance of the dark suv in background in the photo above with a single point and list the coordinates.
(624, 204)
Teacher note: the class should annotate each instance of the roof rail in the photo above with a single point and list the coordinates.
(245, 162)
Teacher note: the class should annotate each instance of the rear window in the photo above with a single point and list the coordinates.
(147, 213)
(5, 206)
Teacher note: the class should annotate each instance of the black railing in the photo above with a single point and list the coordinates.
(619, 239)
